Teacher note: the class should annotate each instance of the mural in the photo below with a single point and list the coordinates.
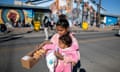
(13, 16)
(28, 15)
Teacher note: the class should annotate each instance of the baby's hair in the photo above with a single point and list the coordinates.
(66, 39)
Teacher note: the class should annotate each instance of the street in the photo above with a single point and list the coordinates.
(100, 52)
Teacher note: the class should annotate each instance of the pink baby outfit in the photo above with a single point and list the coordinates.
(69, 54)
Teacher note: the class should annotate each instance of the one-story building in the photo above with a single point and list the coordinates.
(22, 14)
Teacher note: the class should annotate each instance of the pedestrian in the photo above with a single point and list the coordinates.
(46, 23)
(61, 58)
(62, 28)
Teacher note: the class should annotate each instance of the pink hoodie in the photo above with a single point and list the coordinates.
(70, 54)
(74, 46)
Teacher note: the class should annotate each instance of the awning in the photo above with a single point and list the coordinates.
(41, 3)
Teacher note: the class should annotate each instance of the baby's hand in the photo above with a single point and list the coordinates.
(73, 63)
(58, 55)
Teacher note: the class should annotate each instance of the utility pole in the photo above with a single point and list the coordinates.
(99, 7)
(82, 11)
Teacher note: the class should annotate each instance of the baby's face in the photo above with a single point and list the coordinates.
(62, 45)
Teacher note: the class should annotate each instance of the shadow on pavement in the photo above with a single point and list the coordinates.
(82, 70)
(9, 39)
(77, 68)
(12, 37)
(8, 35)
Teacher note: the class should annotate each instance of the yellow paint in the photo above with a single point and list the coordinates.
(1, 21)
(36, 25)
(85, 25)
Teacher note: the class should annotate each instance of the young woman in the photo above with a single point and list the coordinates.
(60, 58)
(66, 55)
(62, 28)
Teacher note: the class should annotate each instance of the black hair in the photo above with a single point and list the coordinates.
(46, 17)
(62, 16)
(66, 39)
(63, 23)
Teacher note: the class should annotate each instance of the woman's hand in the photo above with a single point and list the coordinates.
(47, 42)
(42, 44)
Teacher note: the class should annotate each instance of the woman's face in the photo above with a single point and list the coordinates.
(61, 31)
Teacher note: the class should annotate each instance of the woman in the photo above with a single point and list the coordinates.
(62, 28)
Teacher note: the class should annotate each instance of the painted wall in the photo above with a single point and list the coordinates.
(16, 15)
(111, 20)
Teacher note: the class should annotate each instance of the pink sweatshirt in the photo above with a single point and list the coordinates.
(74, 46)
(70, 55)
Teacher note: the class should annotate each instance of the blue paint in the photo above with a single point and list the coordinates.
(111, 20)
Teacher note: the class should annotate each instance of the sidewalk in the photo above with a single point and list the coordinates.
(24, 32)
(28, 32)
(95, 29)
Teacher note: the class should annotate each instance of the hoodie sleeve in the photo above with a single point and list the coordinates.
(71, 56)
(54, 39)
(49, 47)
(75, 46)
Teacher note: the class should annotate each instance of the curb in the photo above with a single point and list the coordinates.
(27, 32)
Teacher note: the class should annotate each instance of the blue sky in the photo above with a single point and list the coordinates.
(112, 6)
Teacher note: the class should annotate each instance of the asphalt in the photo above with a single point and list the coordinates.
(97, 54)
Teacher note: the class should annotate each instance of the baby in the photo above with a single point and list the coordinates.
(60, 57)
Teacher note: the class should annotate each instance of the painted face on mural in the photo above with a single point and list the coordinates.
(12, 16)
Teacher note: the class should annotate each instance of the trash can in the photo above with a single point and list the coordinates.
(85, 25)
(37, 25)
